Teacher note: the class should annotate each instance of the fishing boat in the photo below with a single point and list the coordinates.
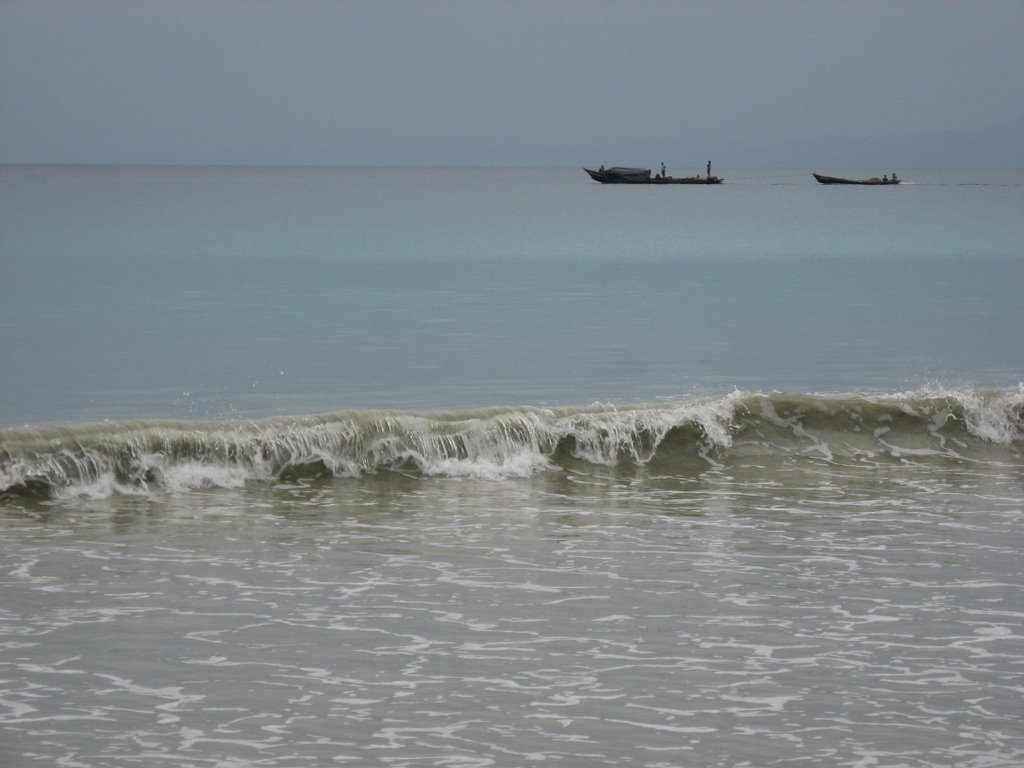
(875, 181)
(643, 176)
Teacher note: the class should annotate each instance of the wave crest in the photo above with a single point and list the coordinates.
(96, 460)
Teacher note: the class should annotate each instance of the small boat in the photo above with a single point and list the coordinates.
(643, 176)
(875, 181)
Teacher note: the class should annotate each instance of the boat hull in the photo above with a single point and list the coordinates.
(865, 182)
(605, 178)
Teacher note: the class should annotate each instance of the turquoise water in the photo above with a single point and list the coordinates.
(485, 467)
(199, 292)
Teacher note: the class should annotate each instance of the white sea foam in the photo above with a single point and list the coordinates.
(523, 464)
(998, 419)
(195, 475)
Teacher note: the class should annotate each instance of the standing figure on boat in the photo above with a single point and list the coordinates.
(709, 169)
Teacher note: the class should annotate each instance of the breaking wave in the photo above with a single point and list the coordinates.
(145, 457)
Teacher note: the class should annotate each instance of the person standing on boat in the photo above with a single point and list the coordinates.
(663, 170)
(709, 169)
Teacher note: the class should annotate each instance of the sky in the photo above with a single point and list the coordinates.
(503, 82)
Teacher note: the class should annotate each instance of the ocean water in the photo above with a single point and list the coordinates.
(503, 467)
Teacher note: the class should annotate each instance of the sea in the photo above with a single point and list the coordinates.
(472, 467)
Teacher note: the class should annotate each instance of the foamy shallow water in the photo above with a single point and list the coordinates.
(763, 613)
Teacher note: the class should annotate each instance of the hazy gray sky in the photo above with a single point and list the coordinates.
(531, 82)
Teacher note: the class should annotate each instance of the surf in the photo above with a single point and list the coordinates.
(498, 443)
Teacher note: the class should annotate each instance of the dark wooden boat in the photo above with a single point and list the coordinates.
(643, 176)
(871, 182)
